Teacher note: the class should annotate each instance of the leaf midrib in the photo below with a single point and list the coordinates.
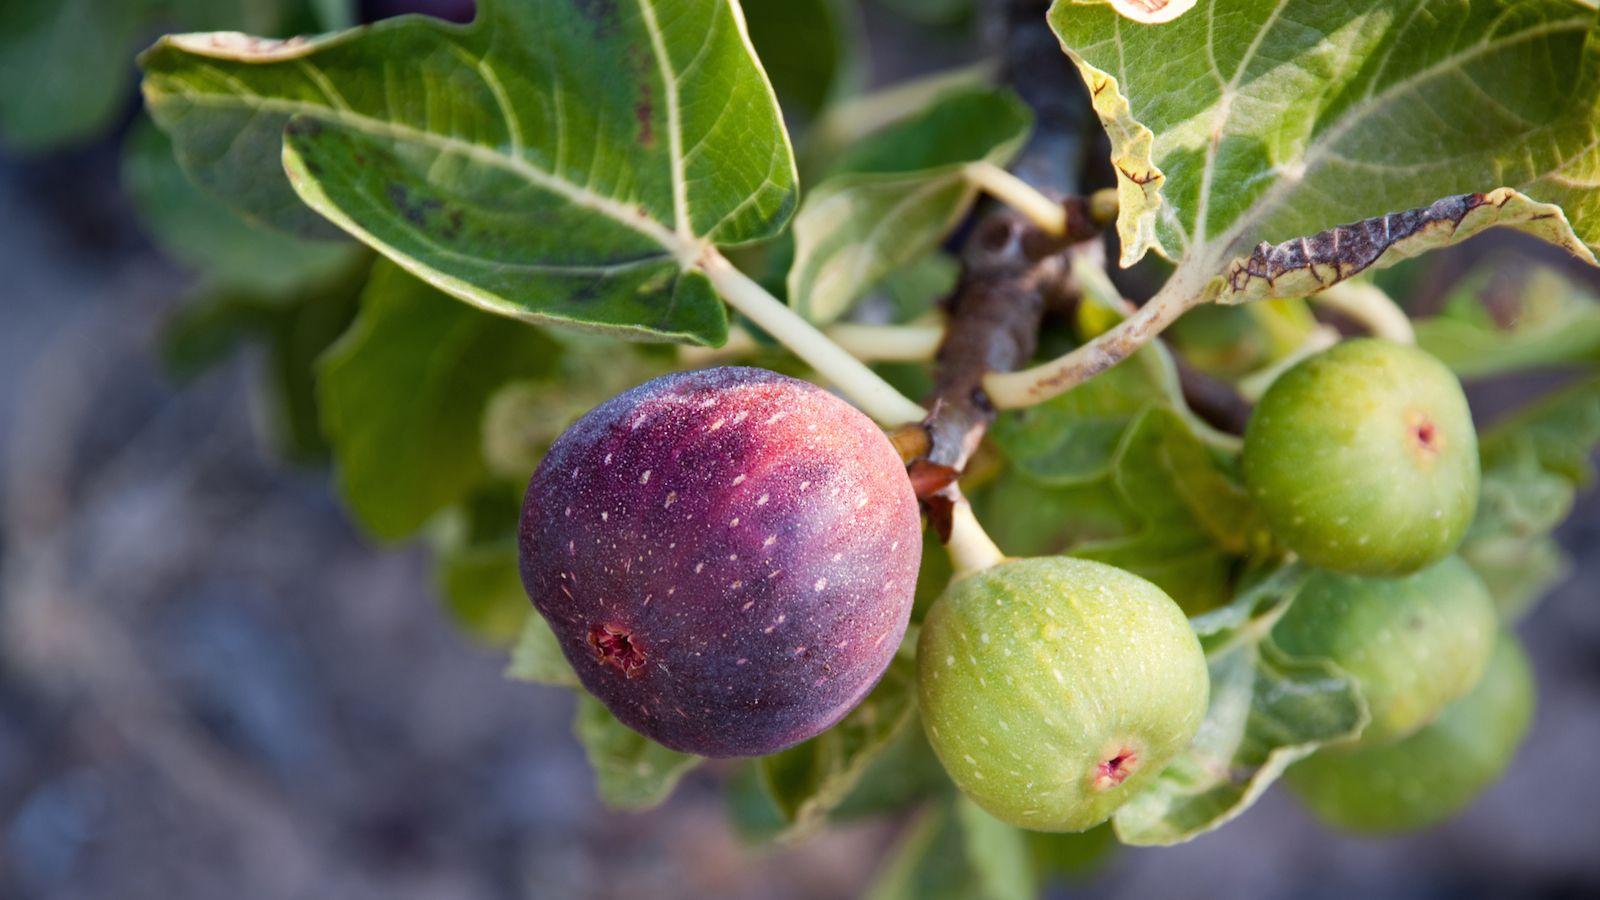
(1321, 147)
(679, 246)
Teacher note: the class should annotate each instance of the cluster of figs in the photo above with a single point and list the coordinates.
(728, 558)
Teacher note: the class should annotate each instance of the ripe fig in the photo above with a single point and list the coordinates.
(728, 557)
(1364, 459)
(1052, 689)
(1436, 772)
(1413, 644)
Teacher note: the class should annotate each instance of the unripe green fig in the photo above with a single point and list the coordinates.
(1436, 772)
(1053, 689)
(1413, 644)
(1363, 459)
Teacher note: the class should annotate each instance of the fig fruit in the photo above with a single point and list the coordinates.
(728, 557)
(1436, 772)
(1053, 688)
(1413, 644)
(1363, 459)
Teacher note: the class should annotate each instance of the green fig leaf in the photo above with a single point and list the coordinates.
(1533, 466)
(999, 854)
(403, 397)
(1073, 437)
(537, 656)
(958, 853)
(810, 50)
(73, 56)
(482, 590)
(1498, 321)
(562, 161)
(892, 196)
(1276, 120)
(205, 235)
(1267, 710)
(630, 770)
(1163, 504)
(807, 781)
(65, 67)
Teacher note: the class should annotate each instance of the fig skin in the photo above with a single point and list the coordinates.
(1413, 644)
(1363, 459)
(1436, 772)
(1053, 689)
(727, 557)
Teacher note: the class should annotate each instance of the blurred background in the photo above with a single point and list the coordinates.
(211, 684)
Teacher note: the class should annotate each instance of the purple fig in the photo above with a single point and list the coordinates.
(727, 556)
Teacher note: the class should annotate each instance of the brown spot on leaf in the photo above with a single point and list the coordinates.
(1348, 250)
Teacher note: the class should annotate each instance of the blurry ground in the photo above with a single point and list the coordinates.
(211, 687)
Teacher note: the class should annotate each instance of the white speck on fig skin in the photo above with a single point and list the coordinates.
(795, 508)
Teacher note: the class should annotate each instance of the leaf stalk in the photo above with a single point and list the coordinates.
(876, 397)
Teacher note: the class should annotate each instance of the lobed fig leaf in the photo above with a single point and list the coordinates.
(557, 161)
(1240, 122)
(1055, 689)
(1363, 459)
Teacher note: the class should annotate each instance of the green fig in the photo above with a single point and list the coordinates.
(1436, 772)
(1413, 644)
(1053, 689)
(1363, 459)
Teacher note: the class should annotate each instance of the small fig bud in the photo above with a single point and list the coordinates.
(1413, 644)
(1053, 689)
(1364, 459)
(1430, 776)
(728, 557)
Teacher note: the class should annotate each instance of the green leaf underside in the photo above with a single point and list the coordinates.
(1267, 710)
(809, 780)
(555, 161)
(403, 395)
(204, 234)
(1272, 119)
(892, 196)
(630, 770)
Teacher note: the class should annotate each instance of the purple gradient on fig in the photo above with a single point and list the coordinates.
(751, 537)
(450, 10)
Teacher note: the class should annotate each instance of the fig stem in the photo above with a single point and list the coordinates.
(971, 549)
(912, 342)
(1048, 215)
(876, 397)
(1182, 292)
(1371, 307)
